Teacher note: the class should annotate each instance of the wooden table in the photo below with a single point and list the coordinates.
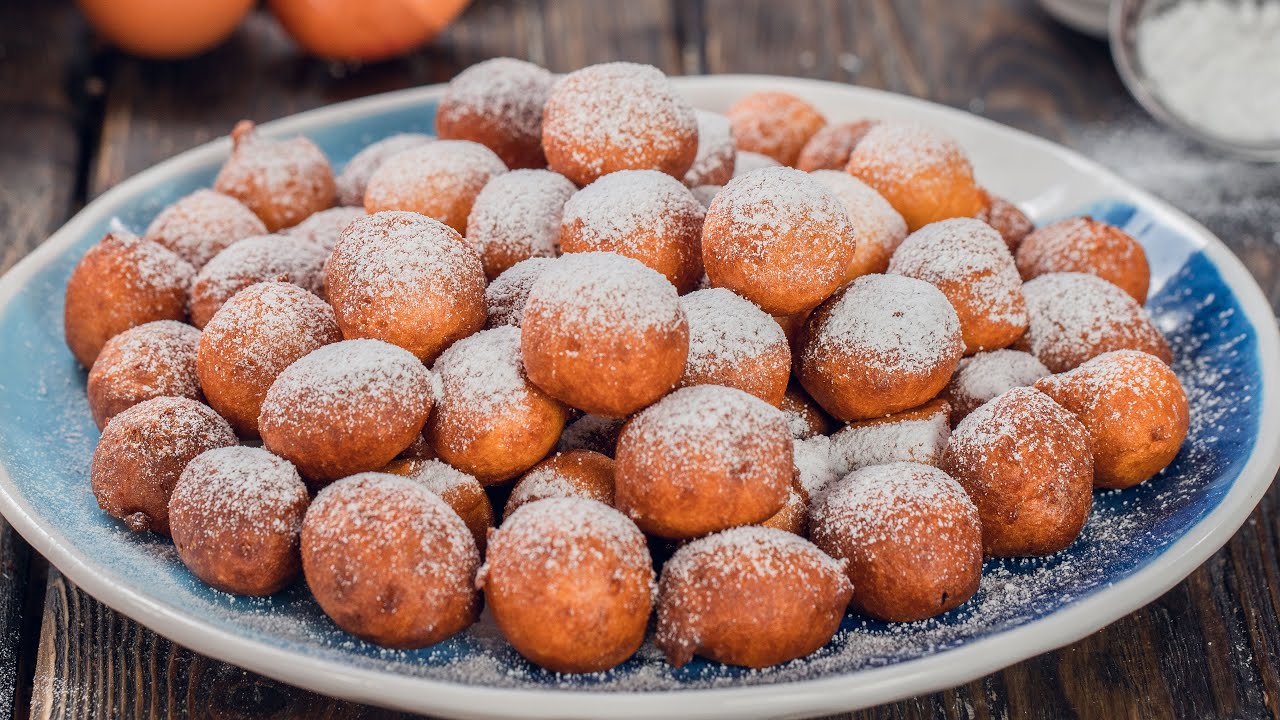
(76, 118)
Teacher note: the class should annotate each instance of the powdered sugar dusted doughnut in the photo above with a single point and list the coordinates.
(354, 178)
(604, 333)
(773, 123)
(910, 538)
(372, 538)
(921, 171)
(489, 420)
(440, 179)
(815, 466)
(1085, 245)
(408, 280)
(325, 227)
(498, 103)
(617, 116)
(516, 217)
(202, 224)
(1134, 410)
(576, 473)
(794, 515)
(346, 407)
(983, 376)
(749, 596)
(805, 418)
(282, 181)
(236, 519)
(713, 164)
(881, 344)
(830, 147)
(734, 343)
(702, 459)
(142, 453)
(570, 584)
(1007, 219)
(968, 261)
(746, 161)
(779, 238)
(505, 297)
(152, 360)
(460, 491)
(641, 214)
(251, 261)
(120, 283)
(918, 436)
(1025, 462)
(879, 228)
(1078, 316)
(258, 333)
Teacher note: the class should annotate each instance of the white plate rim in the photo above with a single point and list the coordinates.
(792, 699)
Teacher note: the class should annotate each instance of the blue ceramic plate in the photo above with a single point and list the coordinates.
(1137, 544)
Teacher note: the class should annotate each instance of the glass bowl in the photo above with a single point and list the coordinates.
(1126, 16)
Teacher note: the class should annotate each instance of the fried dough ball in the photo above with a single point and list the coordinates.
(713, 165)
(880, 345)
(1025, 462)
(877, 226)
(968, 261)
(745, 162)
(440, 179)
(910, 538)
(1078, 316)
(498, 103)
(570, 584)
(156, 359)
(922, 172)
(805, 418)
(592, 432)
(236, 518)
(983, 376)
(641, 214)
(354, 178)
(258, 333)
(281, 181)
(774, 123)
(505, 297)
(576, 473)
(143, 451)
(1134, 410)
(794, 515)
(1007, 219)
(918, 435)
(408, 280)
(389, 562)
(517, 217)
(815, 470)
(251, 261)
(779, 238)
(830, 147)
(749, 596)
(346, 407)
(460, 491)
(1085, 245)
(617, 116)
(120, 283)
(703, 459)
(203, 224)
(604, 334)
(325, 227)
(736, 344)
(489, 420)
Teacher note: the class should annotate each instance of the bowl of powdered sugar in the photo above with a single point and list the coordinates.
(1209, 68)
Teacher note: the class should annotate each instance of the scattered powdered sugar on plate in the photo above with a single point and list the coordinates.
(726, 329)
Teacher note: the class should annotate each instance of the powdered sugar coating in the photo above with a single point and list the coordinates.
(355, 176)
(1082, 244)
(710, 420)
(251, 261)
(607, 293)
(717, 152)
(880, 504)
(442, 478)
(1077, 316)
(830, 147)
(440, 179)
(1007, 219)
(745, 161)
(984, 376)
(242, 491)
(775, 123)
(202, 224)
(879, 228)
(498, 102)
(481, 377)
(761, 553)
(517, 216)
(815, 466)
(911, 439)
(563, 475)
(325, 227)
(282, 181)
(733, 342)
(565, 532)
(904, 151)
(155, 359)
(617, 116)
(506, 296)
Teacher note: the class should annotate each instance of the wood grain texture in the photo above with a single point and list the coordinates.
(1208, 648)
